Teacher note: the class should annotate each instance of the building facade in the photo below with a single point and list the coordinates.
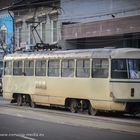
(35, 22)
(73, 24)
(100, 23)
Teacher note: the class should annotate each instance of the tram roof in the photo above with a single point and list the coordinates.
(86, 53)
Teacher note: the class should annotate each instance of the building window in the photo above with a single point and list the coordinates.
(38, 32)
(67, 68)
(83, 68)
(54, 30)
(30, 35)
(100, 68)
(3, 32)
(53, 68)
(19, 36)
(43, 32)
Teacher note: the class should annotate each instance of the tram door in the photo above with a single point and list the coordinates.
(40, 93)
(100, 75)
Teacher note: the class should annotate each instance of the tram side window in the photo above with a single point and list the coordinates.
(100, 68)
(83, 68)
(67, 68)
(53, 68)
(8, 68)
(119, 69)
(29, 67)
(40, 68)
(17, 68)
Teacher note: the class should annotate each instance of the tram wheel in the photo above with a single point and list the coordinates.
(74, 106)
(32, 104)
(92, 111)
(19, 100)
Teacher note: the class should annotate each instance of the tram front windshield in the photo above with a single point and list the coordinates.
(125, 68)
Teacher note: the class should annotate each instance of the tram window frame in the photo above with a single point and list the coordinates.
(17, 67)
(53, 68)
(40, 68)
(8, 70)
(100, 68)
(29, 67)
(67, 68)
(83, 68)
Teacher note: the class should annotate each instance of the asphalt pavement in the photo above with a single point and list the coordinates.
(17, 128)
(20, 123)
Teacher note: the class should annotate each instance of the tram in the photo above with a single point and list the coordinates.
(90, 79)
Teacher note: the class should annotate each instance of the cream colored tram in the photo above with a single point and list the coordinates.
(93, 80)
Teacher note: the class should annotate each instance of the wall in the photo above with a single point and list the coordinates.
(120, 16)
(5, 3)
(94, 10)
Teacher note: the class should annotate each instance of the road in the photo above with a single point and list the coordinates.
(42, 124)
(18, 128)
